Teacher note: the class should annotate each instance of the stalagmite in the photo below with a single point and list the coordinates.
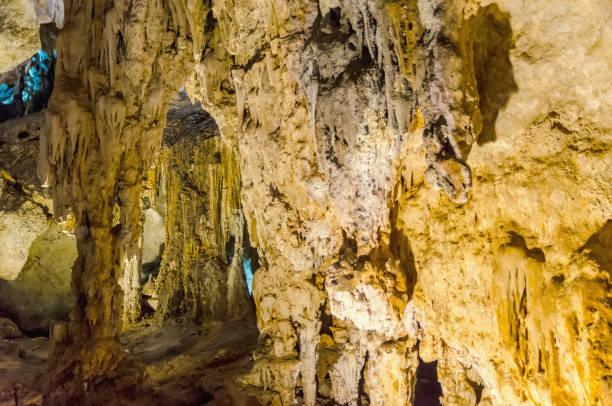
(105, 117)
(419, 190)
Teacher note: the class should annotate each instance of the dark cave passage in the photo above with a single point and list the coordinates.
(428, 389)
(197, 257)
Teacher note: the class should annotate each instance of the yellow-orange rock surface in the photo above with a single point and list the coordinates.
(421, 179)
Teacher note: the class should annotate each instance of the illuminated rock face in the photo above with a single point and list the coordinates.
(19, 28)
(36, 254)
(18, 33)
(420, 179)
(24, 207)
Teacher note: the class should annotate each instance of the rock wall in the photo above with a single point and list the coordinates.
(421, 179)
(503, 279)
(201, 273)
(36, 253)
(18, 33)
(25, 207)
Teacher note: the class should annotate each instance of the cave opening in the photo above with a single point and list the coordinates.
(197, 259)
(428, 389)
(195, 296)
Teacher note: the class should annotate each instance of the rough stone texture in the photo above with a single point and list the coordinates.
(18, 229)
(24, 206)
(201, 272)
(36, 254)
(105, 116)
(18, 33)
(193, 227)
(23, 361)
(419, 178)
(514, 286)
(188, 364)
(19, 28)
(41, 292)
(50, 11)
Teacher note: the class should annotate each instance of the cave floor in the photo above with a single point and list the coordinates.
(184, 364)
(22, 362)
(188, 364)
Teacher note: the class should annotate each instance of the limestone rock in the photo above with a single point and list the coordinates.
(36, 253)
(50, 11)
(41, 292)
(22, 360)
(427, 171)
(24, 206)
(17, 232)
(18, 33)
(193, 268)
(8, 329)
(121, 141)
(506, 274)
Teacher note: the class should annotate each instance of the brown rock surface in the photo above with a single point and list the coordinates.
(24, 206)
(19, 28)
(426, 178)
(36, 254)
(201, 272)
(41, 292)
(23, 361)
(18, 33)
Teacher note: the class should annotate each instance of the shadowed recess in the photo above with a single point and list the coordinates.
(428, 389)
(489, 35)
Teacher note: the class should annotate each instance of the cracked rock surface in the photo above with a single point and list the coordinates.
(422, 188)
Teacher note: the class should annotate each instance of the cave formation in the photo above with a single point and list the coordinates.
(385, 202)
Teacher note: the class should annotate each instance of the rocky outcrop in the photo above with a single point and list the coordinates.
(24, 206)
(36, 253)
(421, 179)
(41, 292)
(19, 29)
(50, 11)
(18, 33)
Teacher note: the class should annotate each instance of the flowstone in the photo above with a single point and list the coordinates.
(414, 182)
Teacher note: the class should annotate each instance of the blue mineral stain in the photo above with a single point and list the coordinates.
(248, 272)
(6, 94)
(28, 86)
(38, 70)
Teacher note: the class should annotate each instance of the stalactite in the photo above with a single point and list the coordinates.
(413, 184)
(103, 110)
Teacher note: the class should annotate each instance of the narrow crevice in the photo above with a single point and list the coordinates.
(428, 389)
